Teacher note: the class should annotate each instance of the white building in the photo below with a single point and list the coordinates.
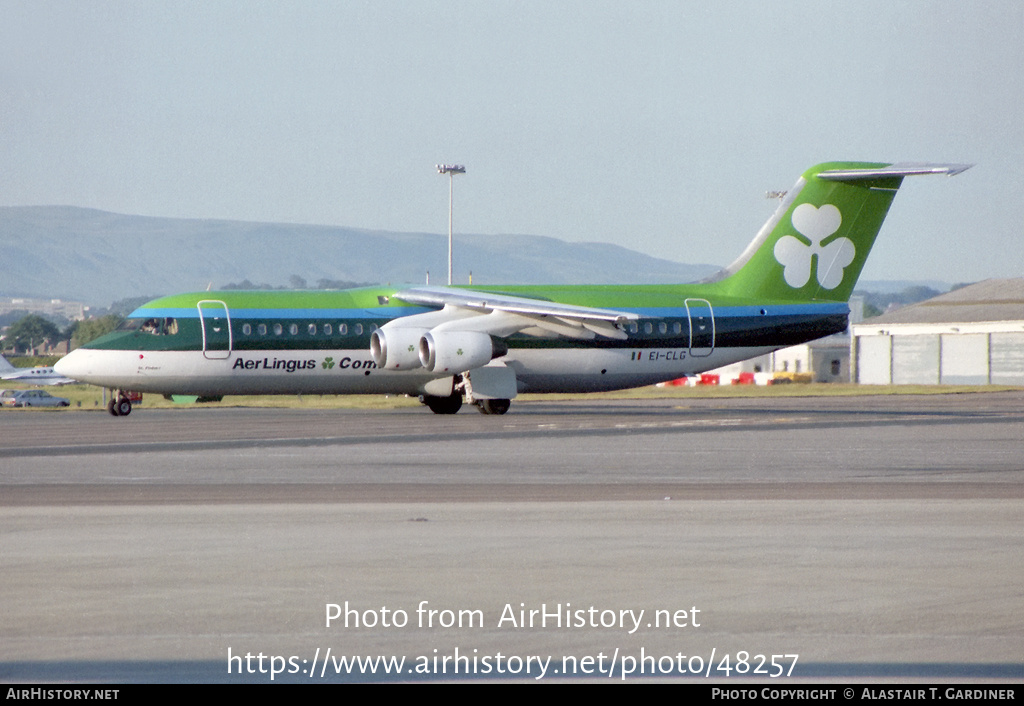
(971, 336)
(74, 311)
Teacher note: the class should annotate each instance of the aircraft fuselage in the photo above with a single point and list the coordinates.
(220, 343)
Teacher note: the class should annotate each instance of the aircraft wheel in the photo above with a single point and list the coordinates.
(123, 407)
(493, 406)
(112, 407)
(443, 405)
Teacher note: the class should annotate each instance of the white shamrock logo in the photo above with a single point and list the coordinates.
(794, 254)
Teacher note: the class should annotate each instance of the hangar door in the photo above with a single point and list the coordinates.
(915, 360)
(965, 359)
(1007, 355)
(874, 360)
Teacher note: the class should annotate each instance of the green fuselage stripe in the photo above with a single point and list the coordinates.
(311, 329)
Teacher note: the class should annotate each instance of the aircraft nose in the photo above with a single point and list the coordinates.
(73, 365)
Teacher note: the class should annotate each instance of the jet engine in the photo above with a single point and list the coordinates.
(458, 351)
(396, 348)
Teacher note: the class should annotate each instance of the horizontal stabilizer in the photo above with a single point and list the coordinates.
(893, 170)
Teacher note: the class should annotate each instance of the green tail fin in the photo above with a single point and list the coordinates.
(815, 245)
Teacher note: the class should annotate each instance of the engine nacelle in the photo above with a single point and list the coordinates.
(458, 351)
(396, 348)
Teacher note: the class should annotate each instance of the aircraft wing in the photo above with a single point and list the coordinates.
(503, 314)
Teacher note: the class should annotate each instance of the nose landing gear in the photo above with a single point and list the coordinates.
(120, 404)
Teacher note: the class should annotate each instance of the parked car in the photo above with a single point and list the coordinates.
(33, 398)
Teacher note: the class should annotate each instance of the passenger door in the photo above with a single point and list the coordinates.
(215, 322)
(702, 327)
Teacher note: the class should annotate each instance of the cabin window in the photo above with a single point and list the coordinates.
(677, 328)
(293, 329)
(247, 329)
(342, 329)
(328, 330)
(663, 328)
(278, 329)
(648, 327)
(261, 329)
(633, 328)
(359, 329)
(312, 329)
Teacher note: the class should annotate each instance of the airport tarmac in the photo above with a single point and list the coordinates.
(874, 537)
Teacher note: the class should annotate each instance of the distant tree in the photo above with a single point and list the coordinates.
(876, 303)
(123, 307)
(245, 284)
(30, 331)
(83, 332)
(297, 282)
(339, 284)
(10, 317)
(917, 293)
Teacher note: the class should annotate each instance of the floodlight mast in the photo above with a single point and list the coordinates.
(451, 170)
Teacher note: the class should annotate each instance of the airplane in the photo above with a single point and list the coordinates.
(40, 375)
(486, 344)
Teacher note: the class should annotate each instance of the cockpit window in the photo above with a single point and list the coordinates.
(157, 326)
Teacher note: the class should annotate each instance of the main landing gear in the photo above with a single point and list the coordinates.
(453, 403)
(493, 406)
(443, 405)
(119, 405)
(462, 386)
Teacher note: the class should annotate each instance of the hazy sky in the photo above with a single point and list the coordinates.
(654, 125)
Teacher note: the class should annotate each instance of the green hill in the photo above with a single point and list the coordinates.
(98, 257)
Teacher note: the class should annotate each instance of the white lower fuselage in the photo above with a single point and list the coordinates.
(354, 372)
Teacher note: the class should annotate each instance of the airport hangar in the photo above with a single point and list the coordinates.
(970, 336)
